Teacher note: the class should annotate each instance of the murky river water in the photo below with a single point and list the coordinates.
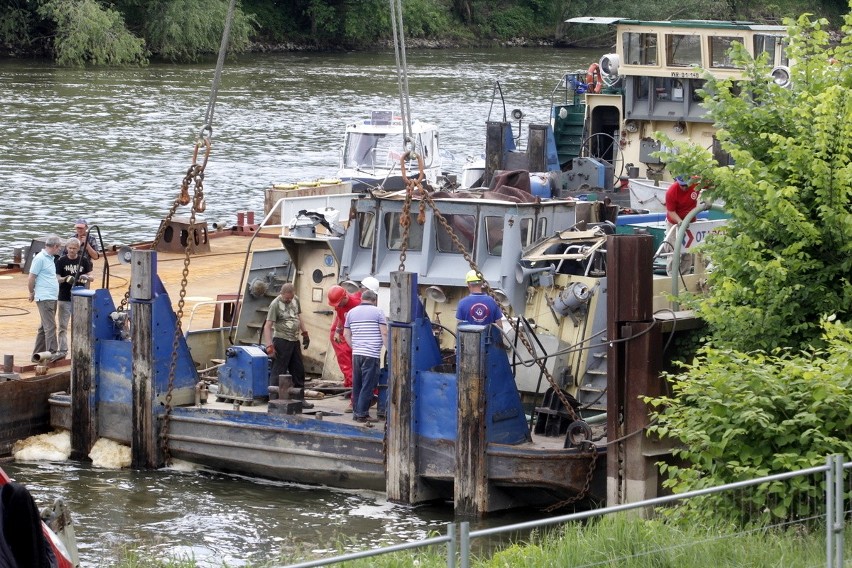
(112, 145)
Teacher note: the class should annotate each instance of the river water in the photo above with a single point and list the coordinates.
(113, 145)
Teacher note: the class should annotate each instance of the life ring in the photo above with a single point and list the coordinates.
(594, 80)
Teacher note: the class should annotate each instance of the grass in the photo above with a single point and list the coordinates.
(615, 541)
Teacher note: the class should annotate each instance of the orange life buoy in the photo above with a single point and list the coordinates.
(593, 78)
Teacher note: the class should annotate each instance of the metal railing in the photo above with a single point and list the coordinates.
(459, 536)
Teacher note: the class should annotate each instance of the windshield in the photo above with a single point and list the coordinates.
(367, 151)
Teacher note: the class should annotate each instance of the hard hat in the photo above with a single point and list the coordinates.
(681, 180)
(336, 294)
(472, 276)
(371, 284)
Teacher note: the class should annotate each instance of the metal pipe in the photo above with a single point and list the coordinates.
(681, 231)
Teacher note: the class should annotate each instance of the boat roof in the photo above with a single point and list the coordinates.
(387, 122)
(704, 24)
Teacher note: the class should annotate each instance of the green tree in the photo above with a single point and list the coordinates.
(183, 30)
(87, 32)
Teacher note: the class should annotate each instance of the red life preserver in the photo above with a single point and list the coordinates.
(593, 78)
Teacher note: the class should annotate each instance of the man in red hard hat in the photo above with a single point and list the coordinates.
(342, 301)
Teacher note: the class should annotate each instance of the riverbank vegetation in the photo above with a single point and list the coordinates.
(96, 32)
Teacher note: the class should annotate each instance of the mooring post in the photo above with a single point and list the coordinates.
(633, 367)
(84, 389)
(8, 363)
(143, 446)
(401, 454)
(470, 486)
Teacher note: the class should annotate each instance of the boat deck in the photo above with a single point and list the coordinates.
(210, 273)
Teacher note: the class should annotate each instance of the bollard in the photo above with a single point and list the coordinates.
(241, 218)
(8, 363)
(17, 255)
(249, 217)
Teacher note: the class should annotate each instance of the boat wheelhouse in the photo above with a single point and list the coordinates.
(652, 84)
(372, 149)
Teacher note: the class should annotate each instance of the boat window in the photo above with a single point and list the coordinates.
(372, 150)
(425, 147)
(642, 88)
(463, 226)
(666, 89)
(639, 48)
(494, 235)
(366, 229)
(769, 44)
(526, 232)
(393, 232)
(719, 48)
(683, 50)
(696, 85)
(542, 228)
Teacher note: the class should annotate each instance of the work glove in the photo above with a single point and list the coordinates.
(270, 350)
(305, 340)
(69, 279)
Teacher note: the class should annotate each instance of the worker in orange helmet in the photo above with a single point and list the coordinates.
(342, 301)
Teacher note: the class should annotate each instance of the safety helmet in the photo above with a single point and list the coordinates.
(681, 180)
(336, 294)
(472, 276)
(370, 283)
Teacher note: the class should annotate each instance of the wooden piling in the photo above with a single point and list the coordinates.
(400, 457)
(84, 390)
(471, 490)
(143, 446)
(633, 365)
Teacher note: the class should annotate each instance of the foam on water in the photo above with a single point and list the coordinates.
(55, 446)
(111, 455)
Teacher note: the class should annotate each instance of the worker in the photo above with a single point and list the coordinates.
(478, 308)
(342, 301)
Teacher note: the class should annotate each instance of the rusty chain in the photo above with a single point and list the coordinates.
(411, 185)
(425, 197)
(194, 176)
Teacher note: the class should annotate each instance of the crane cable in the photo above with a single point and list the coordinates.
(401, 73)
(195, 175)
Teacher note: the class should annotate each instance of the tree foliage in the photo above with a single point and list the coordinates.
(87, 32)
(183, 30)
(744, 415)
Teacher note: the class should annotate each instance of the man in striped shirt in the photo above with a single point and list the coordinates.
(366, 330)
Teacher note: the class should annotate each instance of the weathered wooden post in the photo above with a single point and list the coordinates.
(84, 390)
(471, 493)
(400, 457)
(633, 367)
(143, 444)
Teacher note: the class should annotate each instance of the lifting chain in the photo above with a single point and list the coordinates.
(592, 449)
(411, 185)
(194, 176)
